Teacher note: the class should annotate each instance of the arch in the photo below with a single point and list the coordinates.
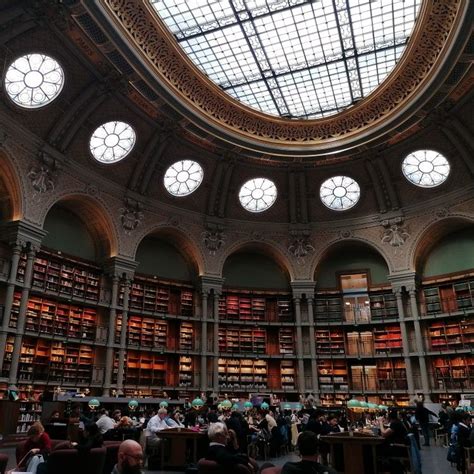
(180, 241)
(11, 201)
(96, 219)
(337, 244)
(266, 248)
(432, 234)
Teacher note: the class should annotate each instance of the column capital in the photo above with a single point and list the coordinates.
(23, 233)
(211, 282)
(303, 287)
(120, 267)
(403, 279)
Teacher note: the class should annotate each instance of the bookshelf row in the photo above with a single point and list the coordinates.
(448, 297)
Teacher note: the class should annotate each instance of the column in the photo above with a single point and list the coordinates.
(299, 344)
(20, 329)
(203, 379)
(123, 333)
(312, 348)
(109, 359)
(406, 347)
(217, 294)
(425, 385)
(10, 291)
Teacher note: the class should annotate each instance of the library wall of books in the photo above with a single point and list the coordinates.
(159, 235)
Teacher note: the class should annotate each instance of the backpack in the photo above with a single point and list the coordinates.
(453, 451)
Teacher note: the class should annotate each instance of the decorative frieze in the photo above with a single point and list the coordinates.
(131, 215)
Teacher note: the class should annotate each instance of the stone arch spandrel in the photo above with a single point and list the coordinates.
(95, 214)
(440, 224)
(11, 189)
(183, 241)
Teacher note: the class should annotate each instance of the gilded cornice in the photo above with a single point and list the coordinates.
(433, 37)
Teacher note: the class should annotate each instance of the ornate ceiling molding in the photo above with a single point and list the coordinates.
(187, 88)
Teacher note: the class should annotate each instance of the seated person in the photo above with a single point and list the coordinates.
(219, 452)
(161, 421)
(308, 448)
(129, 459)
(37, 448)
(394, 434)
(105, 423)
(91, 438)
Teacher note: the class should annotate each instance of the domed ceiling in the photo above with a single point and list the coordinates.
(296, 59)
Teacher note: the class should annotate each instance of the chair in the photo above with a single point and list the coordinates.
(205, 466)
(272, 470)
(69, 460)
(440, 436)
(20, 447)
(111, 456)
(404, 458)
(3, 463)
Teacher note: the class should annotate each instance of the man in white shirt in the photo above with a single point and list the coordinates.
(105, 423)
(161, 421)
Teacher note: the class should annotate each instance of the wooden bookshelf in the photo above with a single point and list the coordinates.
(388, 339)
(242, 340)
(30, 412)
(154, 296)
(383, 305)
(328, 309)
(7, 360)
(242, 374)
(391, 374)
(47, 316)
(66, 276)
(451, 335)
(454, 372)
(332, 375)
(363, 378)
(20, 274)
(143, 331)
(448, 296)
(287, 374)
(360, 343)
(332, 399)
(329, 341)
(186, 336)
(286, 341)
(145, 368)
(186, 371)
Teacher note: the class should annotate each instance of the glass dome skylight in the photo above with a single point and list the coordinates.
(293, 58)
(183, 177)
(34, 80)
(426, 168)
(339, 193)
(257, 194)
(112, 142)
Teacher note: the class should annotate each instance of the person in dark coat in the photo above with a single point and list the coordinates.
(218, 451)
(464, 433)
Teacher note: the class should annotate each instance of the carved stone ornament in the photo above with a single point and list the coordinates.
(300, 246)
(345, 234)
(131, 215)
(43, 175)
(441, 213)
(395, 233)
(213, 240)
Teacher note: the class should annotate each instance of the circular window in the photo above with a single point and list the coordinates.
(34, 80)
(426, 168)
(258, 194)
(339, 193)
(183, 177)
(112, 141)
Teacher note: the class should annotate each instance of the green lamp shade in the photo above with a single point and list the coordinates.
(235, 407)
(382, 407)
(197, 403)
(372, 406)
(132, 404)
(219, 407)
(364, 404)
(163, 404)
(353, 403)
(299, 406)
(226, 404)
(248, 404)
(286, 406)
(264, 406)
(94, 403)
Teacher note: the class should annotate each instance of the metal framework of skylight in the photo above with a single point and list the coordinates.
(293, 58)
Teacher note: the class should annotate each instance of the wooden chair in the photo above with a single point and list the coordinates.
(3, 463)
(205, 466)
(440, 436)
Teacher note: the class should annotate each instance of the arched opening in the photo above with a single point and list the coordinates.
(10, 193)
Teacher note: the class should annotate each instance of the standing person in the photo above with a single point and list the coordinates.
(422, 415)
(464, 432)
(129, 458)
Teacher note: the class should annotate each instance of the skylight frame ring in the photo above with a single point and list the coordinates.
(426, 179)
(189, 166)
(256, 190)
(98, 135)
(337, 188)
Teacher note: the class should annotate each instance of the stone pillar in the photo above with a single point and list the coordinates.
(20, 328)
(203, 378)
(10, 291)
(425, 385)
(123, 333)
(299, 344)
(312, 348)
(217, 295)
(109, 359)
(406, 346)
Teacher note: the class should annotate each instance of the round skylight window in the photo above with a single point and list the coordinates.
(339, 193)
(112, 142)
(183, 177)
(34, 80)
(258, 194)
(426, 168)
